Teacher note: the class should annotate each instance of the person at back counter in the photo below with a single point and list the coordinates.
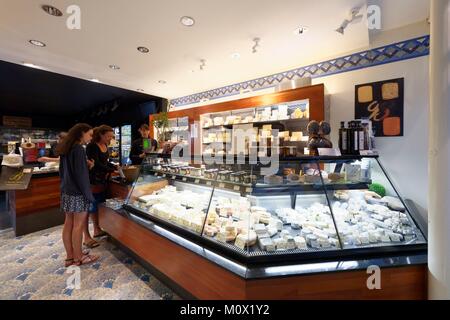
(137, 152)
(54, 156)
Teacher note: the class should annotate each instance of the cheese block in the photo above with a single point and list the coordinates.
(290, 243)
(266, 244)
(265, 217)
(272, 180)
(273, 231)
(260, 228)
(276, 224)
(300, 243)
(280, 243)
(324, 243)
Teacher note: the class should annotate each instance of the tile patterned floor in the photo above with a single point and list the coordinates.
(31, 267)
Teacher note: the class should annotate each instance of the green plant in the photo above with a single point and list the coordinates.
(161, 122)
(378, 189)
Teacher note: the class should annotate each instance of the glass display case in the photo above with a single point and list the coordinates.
(311, 208)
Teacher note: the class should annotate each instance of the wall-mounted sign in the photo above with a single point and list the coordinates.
(17, 122)
(383, 103)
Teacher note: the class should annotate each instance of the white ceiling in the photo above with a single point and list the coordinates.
(111, 30)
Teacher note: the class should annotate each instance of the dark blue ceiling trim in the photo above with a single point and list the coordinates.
(408, 49)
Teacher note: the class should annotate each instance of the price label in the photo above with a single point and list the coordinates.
(249, 190)
(222, 185)
(164, 175)
(184, 179)
(174, 177)
(208, 183)
(237, 188)
(197, 181)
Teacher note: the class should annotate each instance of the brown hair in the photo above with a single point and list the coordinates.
(144, 127)
(73, 136)
(100, 131)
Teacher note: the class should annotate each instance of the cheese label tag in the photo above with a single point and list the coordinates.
(236, 188)
(197, 181)
(222, 185)
(184, 179)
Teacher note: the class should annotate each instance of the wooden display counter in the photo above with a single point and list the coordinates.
(37, 207)
(205, 275)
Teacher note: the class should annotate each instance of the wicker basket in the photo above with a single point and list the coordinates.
(131, 173)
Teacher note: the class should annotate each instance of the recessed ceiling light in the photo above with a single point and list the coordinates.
(162, 82)
(31, 65)
(235, 55)
(52, 10)
(95, 80)
(114, 67)
(301, 30)
(143, 50)
(37, 43)
(187, 21)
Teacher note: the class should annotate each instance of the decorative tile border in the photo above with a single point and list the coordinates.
(404, 50)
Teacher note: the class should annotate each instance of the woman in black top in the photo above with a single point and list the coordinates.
(76, 193)
(97, 151)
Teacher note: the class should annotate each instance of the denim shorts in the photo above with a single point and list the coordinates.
(99, 198)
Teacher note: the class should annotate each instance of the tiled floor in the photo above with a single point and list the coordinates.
(31, 267)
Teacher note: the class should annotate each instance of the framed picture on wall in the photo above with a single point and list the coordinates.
(383, 103)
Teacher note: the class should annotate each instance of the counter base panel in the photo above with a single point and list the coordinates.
(44, 219)
(38, 207)
(204, 279)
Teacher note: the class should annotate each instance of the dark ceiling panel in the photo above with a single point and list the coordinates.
(28, 91)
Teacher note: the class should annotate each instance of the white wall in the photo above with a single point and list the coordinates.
(405, 158)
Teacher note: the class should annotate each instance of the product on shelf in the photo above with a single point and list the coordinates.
(218, 121)
(273, 180)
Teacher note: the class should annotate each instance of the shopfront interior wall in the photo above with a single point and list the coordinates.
(405, 158)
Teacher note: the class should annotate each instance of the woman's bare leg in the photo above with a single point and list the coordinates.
(95, 222)
(79, 222)
(87, 235)
(67, 235)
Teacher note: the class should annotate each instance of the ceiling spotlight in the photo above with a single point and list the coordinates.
(256, 45)
(37, 43)
(52, 10)
(95, 80)
(301, 30)
(30, 65)
(235, 55)
(162, 82)
(114, 67)
(354, 18)
(143, 50)
(202, 64)
(187, 21)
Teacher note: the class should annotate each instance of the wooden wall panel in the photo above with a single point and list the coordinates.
(315, 94)
(42, 193)
(408, 283)
(201, 278)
